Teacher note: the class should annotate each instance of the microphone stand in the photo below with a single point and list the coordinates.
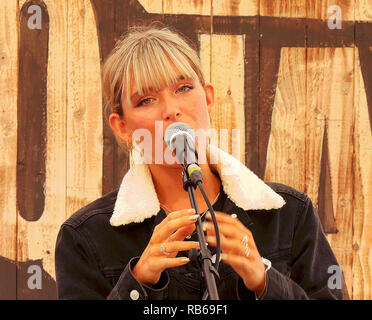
(190, 182)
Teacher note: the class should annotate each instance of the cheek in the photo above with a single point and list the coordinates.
(141, 123)
(200, 113)
(144, 131)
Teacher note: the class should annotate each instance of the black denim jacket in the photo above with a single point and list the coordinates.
(94, 259)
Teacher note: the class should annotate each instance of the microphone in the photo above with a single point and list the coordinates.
(180, 137)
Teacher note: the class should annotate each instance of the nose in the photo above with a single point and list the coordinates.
(171, 109)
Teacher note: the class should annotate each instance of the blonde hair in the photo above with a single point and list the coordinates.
(145, 55)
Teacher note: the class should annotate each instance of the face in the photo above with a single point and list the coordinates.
(185, 101)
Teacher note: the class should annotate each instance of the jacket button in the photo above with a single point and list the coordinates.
(134, 295)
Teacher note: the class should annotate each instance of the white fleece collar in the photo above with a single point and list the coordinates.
(137, 199)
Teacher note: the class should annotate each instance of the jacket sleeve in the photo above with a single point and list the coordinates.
(312, 264)
(78, 275)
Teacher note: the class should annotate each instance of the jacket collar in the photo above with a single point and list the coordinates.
(137, 199)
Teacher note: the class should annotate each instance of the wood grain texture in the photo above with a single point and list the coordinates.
(286, 150)
(84, 117)
(200, 7)
(152, 6)
(227, 75)
(104, 17)
(286, 147)
(325, 198)
(294, 8)
(251, 97)
(235, 8)
(37, 240)
(362, 216)
(340, 123)
(330, 75)
(8, 145)
(240, 92)
(318, 178)
(363, 39)
(32, 109)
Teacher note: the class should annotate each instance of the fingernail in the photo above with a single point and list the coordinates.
(234, 216)
(194, 217)
(185, 259)
(223, 256)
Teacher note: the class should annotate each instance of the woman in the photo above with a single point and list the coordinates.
(139, 242)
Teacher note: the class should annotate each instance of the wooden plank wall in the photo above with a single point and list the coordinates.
(362, 165)
(299, 93)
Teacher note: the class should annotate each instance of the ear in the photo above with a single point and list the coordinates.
(209, 93)
(119, 127)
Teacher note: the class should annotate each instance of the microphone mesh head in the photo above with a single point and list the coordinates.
(177, 127)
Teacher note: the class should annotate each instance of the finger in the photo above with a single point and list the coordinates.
(229, 231)
(175, 246)
(231, 220)
(165, 229)
(228, 245)
(175, 215)
(160, 264)
(180, 213)
(228, 219)
(165, 263)
(183, 232)
(236, 261)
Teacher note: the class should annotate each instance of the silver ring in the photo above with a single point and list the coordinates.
(245, 242)
(162, 249)
(247, 250)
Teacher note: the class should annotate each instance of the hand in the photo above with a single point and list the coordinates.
(168, 236)
(243, 257)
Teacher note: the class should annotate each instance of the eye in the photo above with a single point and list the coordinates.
(186, 87)
(143, 102)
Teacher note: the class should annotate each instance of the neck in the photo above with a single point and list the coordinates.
(169, 189)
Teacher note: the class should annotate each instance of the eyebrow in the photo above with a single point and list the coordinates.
(134, 95)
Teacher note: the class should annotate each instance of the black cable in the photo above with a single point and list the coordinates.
(218, 247)
(213, 215)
